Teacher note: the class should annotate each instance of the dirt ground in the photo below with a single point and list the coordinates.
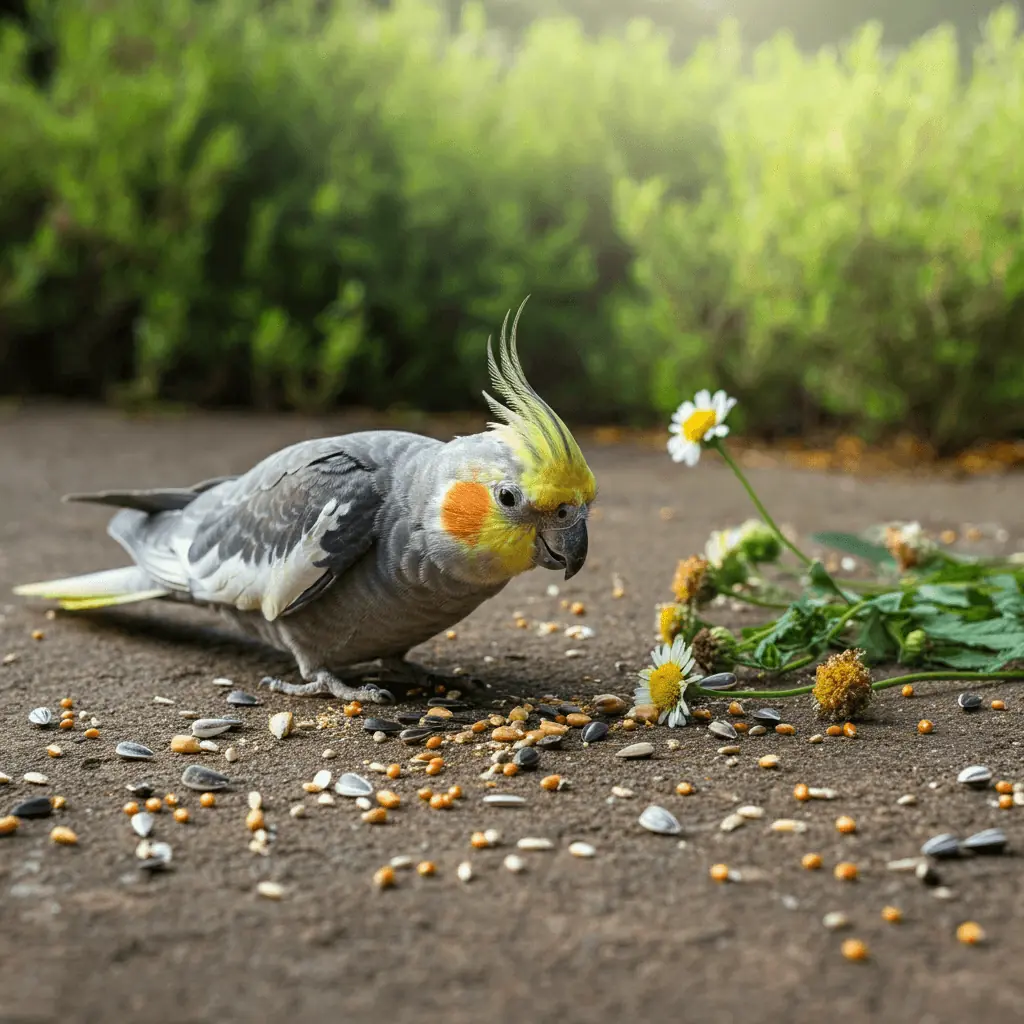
(640, 931)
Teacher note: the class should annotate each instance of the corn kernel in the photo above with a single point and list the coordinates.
(441, 802)
(998, 705)
(424, 793)
(384, 878)
(702, 714)
(736, 708)
(719, 872)
(741, 726)
(386, 798)
(686, 789)
(854, 949)
(455, 792)
(784, 729)
(479, 841)
(479, 727)
(67, 723)
(207, 800)
(801, 791)
(433, 742)
(394, 771)
(375, 817)
(63, 836)
(924, 726)
(92, 734)
(8, 825)
(171, 800)
(970, 933)
(181, 815)
(811, 861)
(845, 824)
(845, 871)
(578, 608)
(426, 868)
(1006, 801)
(130, 808)
(1003, 786)
(834, 730)
(58, 803)
(434, 768)
(154, 805)
(67, 702)
(510, 769)
(38, 634)
(892, 914)
(907, 691)
(551, 782)
(254, 820)
(849, 730)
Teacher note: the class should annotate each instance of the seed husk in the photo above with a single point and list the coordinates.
(941, 846)
(723, 730)
(719, 681)
(594, 731)
(36, 807)
(239, 698)
(281, 724)
(969, 701)
(768, 715)
(352, 785)
(581, 849)
(41, 717)
(199, 777)
(978, 776)
(989, 840)
(656, 819)
(207, 728)
(636, 751)
(128, 750)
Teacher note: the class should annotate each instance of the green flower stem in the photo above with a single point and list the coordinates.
(731, 463)
(884, 684)
(758, 601)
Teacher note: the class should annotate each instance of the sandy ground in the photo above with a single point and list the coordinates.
(639, 931)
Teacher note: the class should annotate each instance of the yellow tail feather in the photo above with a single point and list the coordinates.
(82, 604)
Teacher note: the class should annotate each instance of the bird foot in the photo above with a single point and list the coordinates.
(328, 684)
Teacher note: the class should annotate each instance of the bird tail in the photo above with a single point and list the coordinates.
(96, 589)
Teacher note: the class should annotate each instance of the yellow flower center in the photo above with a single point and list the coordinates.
(666, 686)
(698, 423)
(670, 622)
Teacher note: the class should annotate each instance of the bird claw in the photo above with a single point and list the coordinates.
(376, 695)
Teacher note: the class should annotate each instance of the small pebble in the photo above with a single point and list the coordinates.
(657, 819)
(270, 890)
(784, 729)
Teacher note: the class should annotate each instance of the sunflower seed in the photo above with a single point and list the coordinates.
(969, 701)
(241, 699)
(766, 715)
(989, 840)
(132, 751)
(43, 717)
(636, 751)
(143, 790)
(415, 736)
(527, 758)
(594, 731)
(550, 742)
(154, 856)
(142, 823)
(447, 702)
(504, 800)
(535, 843)
(281, 724)
(381, 725)
(36, 778)
(944, 845)
(580, 849)
(977, 775)
(609, 704)
(197, 776)
(322, 779)
(719, 681)
(723, 730)
(37, 807)
(657, 819)
(352, 785)
(757, 730)
(206, 728)
(547, 711)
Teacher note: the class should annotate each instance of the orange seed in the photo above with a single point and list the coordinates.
(550, 782)
(181, 815)
(719, 872)
(784, 729)
(207, 800)
(686, 789)
(854, 949)
(998, 705)
(384, 878)
(892, 914)
(970, 933)
(92, 734)
(845, 871)
(426, 868)
(154, 804)
(924, 726)
(811, 861)
(1002, 786)
(801, 791)
(433, 743)
(834, 730)
(907, 691)
(845, 824)
(849, 730)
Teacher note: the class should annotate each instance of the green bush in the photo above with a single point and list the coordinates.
(305, 203)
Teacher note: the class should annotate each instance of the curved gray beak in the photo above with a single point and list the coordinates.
(564, 548)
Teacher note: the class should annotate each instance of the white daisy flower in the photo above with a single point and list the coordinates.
(696, 422)
(664, 684)
(721, 544)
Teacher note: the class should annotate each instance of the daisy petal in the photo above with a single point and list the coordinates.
(702, 400)
(691, 456)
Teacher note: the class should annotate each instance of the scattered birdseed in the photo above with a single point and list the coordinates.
(322, 779)
(801, 791)
(969, 701)
(817, 738)
(54, 751)
(834, 920)
(464, 871)
(845, 824)
(185, 745)
(834, 730)
(207, 728)
(535, 843)
(719, 872)
(907, 800)
(970, 933)
(989, 840)
(197, 776)
(750, 812)
(41, 717)
(723, 730)
(181, 815)
(207, 800)
(907, 691)
(686, 789)
(270, 890)
(58, 802)
(581, 849)
(854, 949)
(63, 836)
(8, 824)
(768, 761)
(998, 705)
(36, 778)
(239, 698)
(281, 724)
(549, 782)
(92, 734)
(514, 864)
(892, 914)
(844, 871)
(426, 869)
(811, 861)
(657, 819)
(904, 864)
(254, 799)
(924, 726)
(352, 785)
(849, 730)
(788, 825)
(728, 750)
(732, 822)
(231, 755)
(142, 824)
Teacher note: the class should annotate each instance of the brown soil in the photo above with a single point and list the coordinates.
(640, 931)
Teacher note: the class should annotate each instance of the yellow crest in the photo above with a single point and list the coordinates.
(554, 470)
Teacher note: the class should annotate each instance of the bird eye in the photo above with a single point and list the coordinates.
(507, 497)
(563, 512)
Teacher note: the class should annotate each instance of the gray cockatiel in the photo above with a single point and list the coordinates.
(350, 549)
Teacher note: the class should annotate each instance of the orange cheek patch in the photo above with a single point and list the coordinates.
(465, 509)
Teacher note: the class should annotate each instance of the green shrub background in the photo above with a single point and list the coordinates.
(308, 204)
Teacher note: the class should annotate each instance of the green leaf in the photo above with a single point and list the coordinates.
(875, 639)
(851, 544)
(947, 594)
(890, 603)
(768, 655)
(1001, 634)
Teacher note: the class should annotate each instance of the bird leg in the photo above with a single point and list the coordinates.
(333, 685)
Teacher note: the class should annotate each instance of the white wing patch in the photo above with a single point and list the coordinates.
(269, 586)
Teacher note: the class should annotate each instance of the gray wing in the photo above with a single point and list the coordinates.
(275, 538)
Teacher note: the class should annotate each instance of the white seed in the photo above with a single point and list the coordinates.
(535, 843)
(907, 800)
(621, 792)
(822, 794)
(380, 737)
(221, 681)
(905, 864)
(943, 892)
(493, 836)
(54, 750)
(231, 754)
(401, 861)
(834, 920)
(281, 724)
(817, 738)
(750, 811)
(363, 803)
(162, 700)
(374, 766)
(325, 800)
(36, 778)
(209, 746)
(255, 800)
(322, 779)
(329, 755)
(581, 849)
(515, 864)
(728, 750)
(297, 810)
(732, 822)
(464, 871)
(789, 825)
(270, 890)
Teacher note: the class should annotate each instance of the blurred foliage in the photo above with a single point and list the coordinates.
(295, 204)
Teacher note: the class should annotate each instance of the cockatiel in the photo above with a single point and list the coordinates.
(351, 549)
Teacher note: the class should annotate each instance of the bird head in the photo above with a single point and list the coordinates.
(521, 491)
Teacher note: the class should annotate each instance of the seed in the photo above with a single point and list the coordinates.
(723, 730)
(353, 709)
(510, 769)
(686, 789)
(67, 702)
(998, 705)
(181, 815)
(207, 800)
(441, 802)
(702, 714)
(969, 701)
(479, 727)
(924, 726)
(67, 713)
(464, 871)
(854, 949)
(845, 871)
(834, 730)
(719, 872)
(845, 824)
(768, 761)
(38, 634)
(811, 861)
(92, 734)
(515, 864)
(200, 778)
(849, 730)
(944, 845)
(580, 849)
(741, 727)
(433, 742)
(989, 840)
(817, 793)
(384, 878)
(736, 708)
(58, 803)
(610, 704)
(629, 724)
(63, 836)
(434, 768)
(154, 805)
(907, 691)
(1002, 786)
(8, 824)
(231, 755)
(185, 745)
(1006, 801)
(817, 738)
(254, 820)
(171, 800)
(657, 819)
(577, 720)
(388, 799)
(426, 868)
(394, 771)
(578, 608)
(54, 751)
(801, 791)
(970, 933)
(834, 920)
(479, 841)
(551, 782)
(67, 723)
(130, 808)
(270, 890)
(978, 776)
(424, 793)
(788, 825)
(892, 914)
(785, 730)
